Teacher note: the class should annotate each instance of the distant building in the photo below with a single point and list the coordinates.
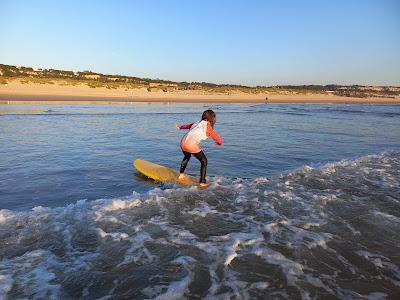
(92, 76)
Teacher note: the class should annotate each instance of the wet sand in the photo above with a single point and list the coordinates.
(68, 99)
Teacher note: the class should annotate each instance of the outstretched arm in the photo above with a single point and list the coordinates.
(185, 126)
(213, 134)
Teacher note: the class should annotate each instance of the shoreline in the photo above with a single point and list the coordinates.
(68, 99)
(83, 100)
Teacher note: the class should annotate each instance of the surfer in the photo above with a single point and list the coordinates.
(190, 143)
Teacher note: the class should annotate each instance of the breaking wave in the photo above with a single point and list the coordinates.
(327, 232)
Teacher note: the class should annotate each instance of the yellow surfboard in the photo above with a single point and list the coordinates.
(162, 174)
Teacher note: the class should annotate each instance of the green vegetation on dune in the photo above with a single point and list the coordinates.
(98, 80)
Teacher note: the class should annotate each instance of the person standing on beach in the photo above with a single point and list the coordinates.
(190, 143)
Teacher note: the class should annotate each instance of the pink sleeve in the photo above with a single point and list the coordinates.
(186, 126)
(213, 134)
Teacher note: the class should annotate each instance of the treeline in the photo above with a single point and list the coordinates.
(355, 91)
(13, 71)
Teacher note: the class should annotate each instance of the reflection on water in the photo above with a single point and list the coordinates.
(284, 218)
(71, 152)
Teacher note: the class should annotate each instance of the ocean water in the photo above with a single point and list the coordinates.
(304, 203)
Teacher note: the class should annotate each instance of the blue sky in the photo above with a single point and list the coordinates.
(242, 42)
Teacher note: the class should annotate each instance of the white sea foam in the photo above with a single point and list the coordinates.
(389, 217)
(290, 236)
(176, 289)
(6, 283)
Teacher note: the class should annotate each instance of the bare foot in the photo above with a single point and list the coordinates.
(203, 185)
(181, 176)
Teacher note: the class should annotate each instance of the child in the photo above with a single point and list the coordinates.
(190, 143)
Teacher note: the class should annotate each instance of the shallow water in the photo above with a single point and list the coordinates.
(304, 203)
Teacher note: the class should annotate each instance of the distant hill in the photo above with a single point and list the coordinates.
(94, 79)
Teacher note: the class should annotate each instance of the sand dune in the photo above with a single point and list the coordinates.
(17, 92)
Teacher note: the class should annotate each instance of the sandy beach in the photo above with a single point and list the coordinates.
(15, 92)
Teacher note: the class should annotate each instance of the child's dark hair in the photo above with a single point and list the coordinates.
(209, 115)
